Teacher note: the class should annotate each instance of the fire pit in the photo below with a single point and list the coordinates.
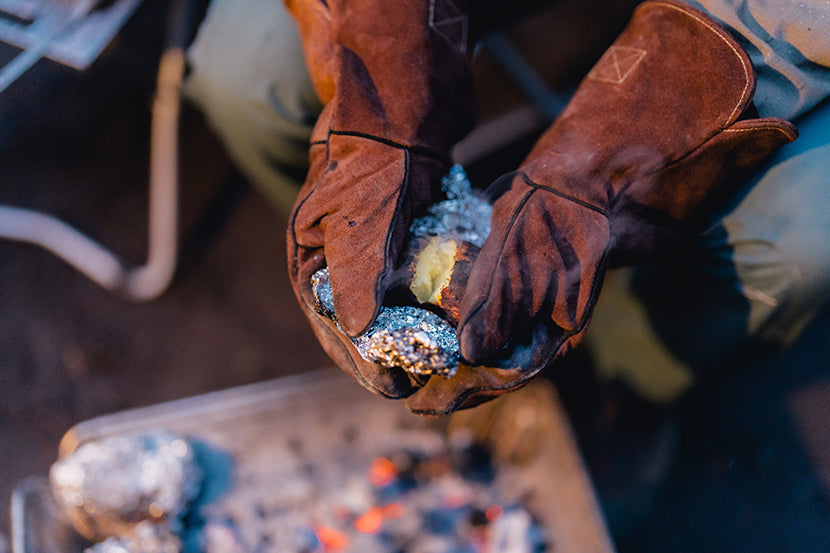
(314, 463)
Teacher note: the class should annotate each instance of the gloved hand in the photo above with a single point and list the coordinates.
(396, 82)
(656, 134)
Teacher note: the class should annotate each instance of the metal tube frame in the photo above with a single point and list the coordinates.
(144, 282)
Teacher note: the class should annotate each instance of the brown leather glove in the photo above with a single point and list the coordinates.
(655, 135)
(396, 81)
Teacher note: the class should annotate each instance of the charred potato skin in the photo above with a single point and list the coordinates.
(448, 295)
(451, 294)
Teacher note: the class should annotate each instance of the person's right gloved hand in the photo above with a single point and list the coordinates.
(396, 82)
(659, 133)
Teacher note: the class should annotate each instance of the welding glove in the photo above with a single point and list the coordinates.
(657, 134)
(397, 88)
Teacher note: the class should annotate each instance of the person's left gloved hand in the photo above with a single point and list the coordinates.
(396, 82)
(657, 134)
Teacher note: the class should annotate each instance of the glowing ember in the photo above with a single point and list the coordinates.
(393, 511)
(371, 521)
(382, 472)
(332, 539)
(414, 491)
(493, 512)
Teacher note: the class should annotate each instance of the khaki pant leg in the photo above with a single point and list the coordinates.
(249, 79)
(759, 275)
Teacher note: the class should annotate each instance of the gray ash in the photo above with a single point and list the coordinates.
(434, 494)
(144, 537)
(376, 483)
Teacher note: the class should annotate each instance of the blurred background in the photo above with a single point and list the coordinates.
(752, 471)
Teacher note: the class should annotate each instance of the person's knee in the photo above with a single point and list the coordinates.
(249, 79)
(802, 290)
(246, 63)
(781, 250)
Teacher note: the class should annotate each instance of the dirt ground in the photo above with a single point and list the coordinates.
(753, 469)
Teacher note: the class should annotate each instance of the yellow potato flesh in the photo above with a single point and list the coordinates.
(433, 270)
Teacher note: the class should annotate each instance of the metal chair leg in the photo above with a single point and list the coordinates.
(143, 282)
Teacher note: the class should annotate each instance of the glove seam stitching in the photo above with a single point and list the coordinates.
(293, 227)
(604, 212)
(726, 38)
(596, 285)
(420, 150)
(301, 203)
(583, 323)
(534, 188)
(692, 151)
(765, 128)
(355, 369)
(514, 216)
(393, 225)
(600, 267)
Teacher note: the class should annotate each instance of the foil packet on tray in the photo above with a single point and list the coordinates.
(127, 493)
(420, 337)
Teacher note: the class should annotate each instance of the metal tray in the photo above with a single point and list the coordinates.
(527, 431)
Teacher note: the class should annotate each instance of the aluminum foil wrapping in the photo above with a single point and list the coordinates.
(464, 215)
(409, 337)
(146, 536)
(414, 339)
(107, 487)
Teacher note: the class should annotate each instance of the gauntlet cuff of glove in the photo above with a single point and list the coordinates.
(398, 71)
(656, 132)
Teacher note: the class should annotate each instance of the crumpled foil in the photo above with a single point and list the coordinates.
(408, 337)
(413, 339)
(145, 537)
(464, 215)
(108, 486)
